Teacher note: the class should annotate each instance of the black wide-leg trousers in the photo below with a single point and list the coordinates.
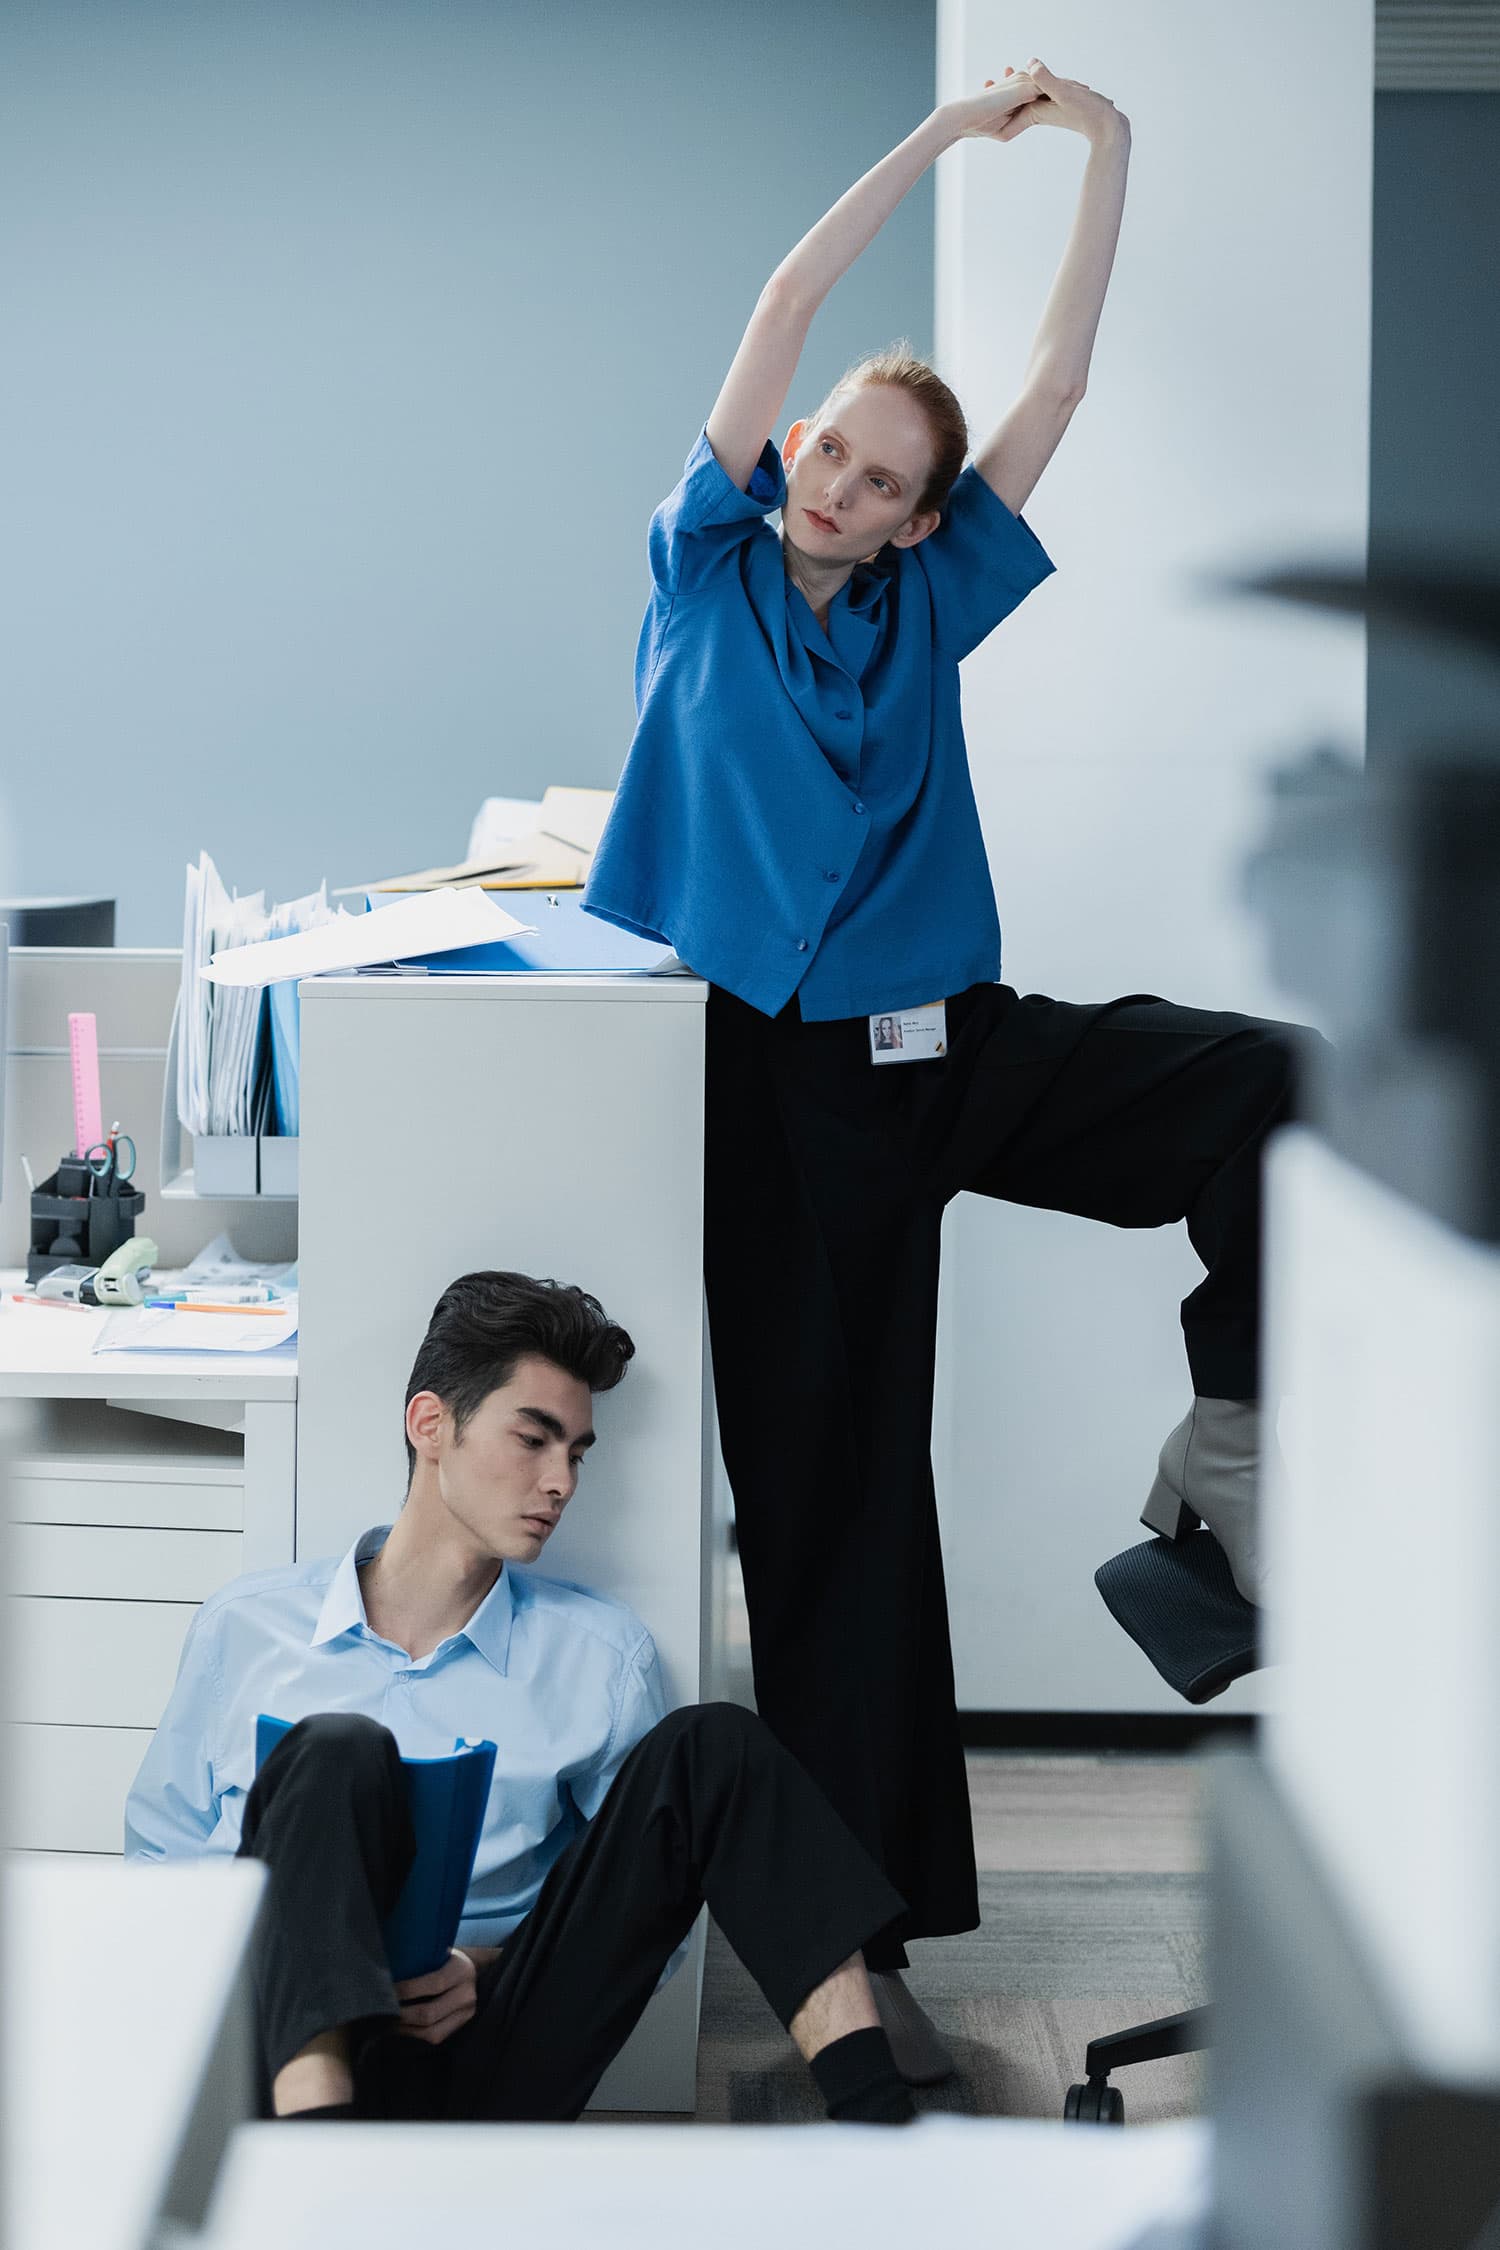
(708, 1809)
(826, 1181)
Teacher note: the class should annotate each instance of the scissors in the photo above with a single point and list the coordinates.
(111, 1161)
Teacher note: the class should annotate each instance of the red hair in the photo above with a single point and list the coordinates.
(899, 369)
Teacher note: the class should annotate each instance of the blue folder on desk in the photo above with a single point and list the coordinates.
(565, 939)
(448, 1796)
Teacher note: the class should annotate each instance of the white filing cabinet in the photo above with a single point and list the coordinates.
(551, 1125)
(138, 1486)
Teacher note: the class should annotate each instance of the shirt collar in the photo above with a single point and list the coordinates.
(489, 1627)
(854, 619)
(344, 1605)
(867, 584)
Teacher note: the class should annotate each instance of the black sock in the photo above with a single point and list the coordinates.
(858, 2079)
(325, 2113)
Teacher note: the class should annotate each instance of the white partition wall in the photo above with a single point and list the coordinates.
(551, 1125)
(1122, 724)
(1384, 1546)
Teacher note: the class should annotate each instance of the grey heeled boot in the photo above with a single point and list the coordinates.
(1209, 1473)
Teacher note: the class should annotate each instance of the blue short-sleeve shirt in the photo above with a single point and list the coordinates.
(796, 814)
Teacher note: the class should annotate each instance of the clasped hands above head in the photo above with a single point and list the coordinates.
(1035, 96)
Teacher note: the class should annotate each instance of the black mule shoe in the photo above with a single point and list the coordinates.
(1178, 1601)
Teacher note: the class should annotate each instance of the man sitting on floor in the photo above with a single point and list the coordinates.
(609, 1824)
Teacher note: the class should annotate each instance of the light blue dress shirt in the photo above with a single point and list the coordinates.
(563, 1681)
(796, 814)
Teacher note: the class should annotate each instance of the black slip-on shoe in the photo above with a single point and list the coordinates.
(1178, 1601)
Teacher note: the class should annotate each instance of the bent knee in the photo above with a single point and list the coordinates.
(345, 1738)
(1274, 1058)
(722, 1725)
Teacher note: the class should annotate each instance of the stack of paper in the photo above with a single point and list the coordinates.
(218, 1050)
(310, 913)
(517, 844)
(179, 1328)
(220, 1264)
(497, 824)
(224, 1084)
(427, 923)
(576, 816)
(527, 863)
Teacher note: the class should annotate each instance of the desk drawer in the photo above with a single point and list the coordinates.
(104, 1563)
(65, 1787)
(92, 1663)
(154, 1504)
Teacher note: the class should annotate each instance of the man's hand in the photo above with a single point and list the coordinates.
(1061, 101)
(433, 2007)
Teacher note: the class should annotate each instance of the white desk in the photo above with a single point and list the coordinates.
(146, 1481)
(1003, 2185)
(127, 2054)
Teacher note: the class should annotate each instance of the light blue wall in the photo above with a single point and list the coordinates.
(348, 349)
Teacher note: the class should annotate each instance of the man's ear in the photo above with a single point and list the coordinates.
(424, 1422)
(916, 529)
(794, 437)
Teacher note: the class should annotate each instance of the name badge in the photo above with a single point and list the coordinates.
(910, 1034)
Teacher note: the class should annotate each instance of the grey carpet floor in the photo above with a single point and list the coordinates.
(1091, 1898)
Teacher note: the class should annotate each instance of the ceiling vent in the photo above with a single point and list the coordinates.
(1437, 46)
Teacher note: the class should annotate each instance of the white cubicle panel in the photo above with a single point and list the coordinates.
(554, 1126)
(1121, 725)
(1384, 1543)
(126, 2046)
(945, 2179)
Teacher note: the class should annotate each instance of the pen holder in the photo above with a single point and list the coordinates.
(70, 1225)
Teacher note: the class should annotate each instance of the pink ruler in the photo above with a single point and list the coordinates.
(88, 1117)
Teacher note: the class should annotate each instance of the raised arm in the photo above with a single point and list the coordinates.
(1057, 374)
(754, 390)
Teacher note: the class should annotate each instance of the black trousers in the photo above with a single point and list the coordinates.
(707, 1809)
(826, 1181)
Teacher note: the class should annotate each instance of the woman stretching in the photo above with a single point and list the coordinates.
(796, 818)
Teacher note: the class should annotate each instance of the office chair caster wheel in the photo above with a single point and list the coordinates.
(1097, 2103)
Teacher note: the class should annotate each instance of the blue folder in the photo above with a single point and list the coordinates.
(448, 1796)
(285, 1011)
(565, 938)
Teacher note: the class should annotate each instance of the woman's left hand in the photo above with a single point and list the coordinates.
(981, 116)
(1062, 101)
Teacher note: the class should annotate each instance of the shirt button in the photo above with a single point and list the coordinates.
(801, 945)
(858, 807)
(843, 714)
(832, 875)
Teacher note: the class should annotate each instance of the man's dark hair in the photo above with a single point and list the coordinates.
(484, 1324)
